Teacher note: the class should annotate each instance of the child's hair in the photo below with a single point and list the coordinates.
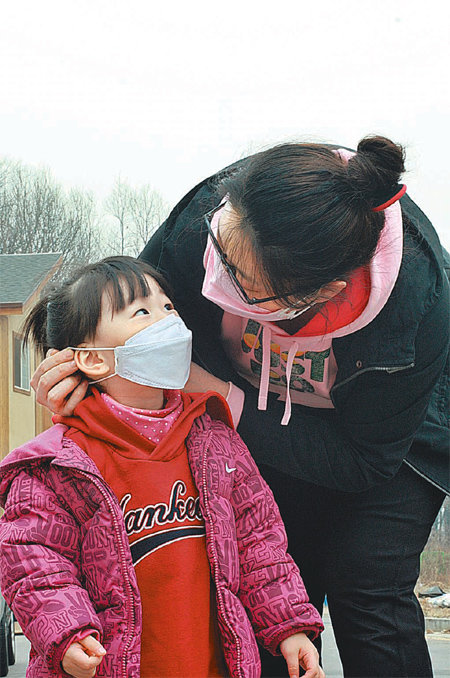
(307, 213)
(69, 313)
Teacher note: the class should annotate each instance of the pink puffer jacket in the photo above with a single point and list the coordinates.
(66, 565)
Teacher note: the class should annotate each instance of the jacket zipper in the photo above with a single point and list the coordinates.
(389, 370)
(216, 562)
(128, 586)
(439, 487)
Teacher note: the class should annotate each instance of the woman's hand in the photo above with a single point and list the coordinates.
(201, 381)
(82, 658)
(298, 649)
(57, 386)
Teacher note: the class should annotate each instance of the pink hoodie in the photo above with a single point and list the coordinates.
(301, 369)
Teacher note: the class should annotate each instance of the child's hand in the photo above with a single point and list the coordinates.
(82, 658)
(299, 649)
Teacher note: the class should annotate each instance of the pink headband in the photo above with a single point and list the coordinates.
(400, 192)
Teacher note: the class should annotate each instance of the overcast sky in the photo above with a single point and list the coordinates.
(167, 93)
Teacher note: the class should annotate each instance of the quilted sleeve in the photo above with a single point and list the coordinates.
(40, 573)
(271, 588)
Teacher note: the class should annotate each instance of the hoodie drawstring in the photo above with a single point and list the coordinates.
(290, 361)
(264, 337)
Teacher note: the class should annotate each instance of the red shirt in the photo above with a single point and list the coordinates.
(154, 486)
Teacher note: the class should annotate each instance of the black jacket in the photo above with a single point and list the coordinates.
(391, 391)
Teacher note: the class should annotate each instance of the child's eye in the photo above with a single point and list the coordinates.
(142, 311)
(168, 306)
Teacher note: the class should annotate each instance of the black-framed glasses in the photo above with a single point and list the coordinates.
(231, 270)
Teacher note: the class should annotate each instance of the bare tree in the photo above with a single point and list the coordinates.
(117, 205)
(137, 212)
(148, 210)
(38, 215)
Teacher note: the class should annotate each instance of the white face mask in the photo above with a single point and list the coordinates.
(285, 313)
(158, 356)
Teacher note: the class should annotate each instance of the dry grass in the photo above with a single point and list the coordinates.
(434, 571)
(432, 611)
(435, 566)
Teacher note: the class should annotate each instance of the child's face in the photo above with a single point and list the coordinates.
(115, 327)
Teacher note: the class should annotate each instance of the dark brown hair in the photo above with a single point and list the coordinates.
(69, 313)
(306, 212)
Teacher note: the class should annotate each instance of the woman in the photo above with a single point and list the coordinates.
(319, 308)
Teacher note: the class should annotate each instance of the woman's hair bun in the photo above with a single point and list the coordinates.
(377, 167)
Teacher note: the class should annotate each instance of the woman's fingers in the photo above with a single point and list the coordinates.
(57, 386)
(75, 397)
(55, 363)
(201, 381)
(52, 358)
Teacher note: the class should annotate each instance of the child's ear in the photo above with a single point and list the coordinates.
(93, 363)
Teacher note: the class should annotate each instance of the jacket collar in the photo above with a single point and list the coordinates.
(388, 342)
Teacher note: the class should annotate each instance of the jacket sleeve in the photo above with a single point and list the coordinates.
(363, 441)
(271, 588)
(40, 568)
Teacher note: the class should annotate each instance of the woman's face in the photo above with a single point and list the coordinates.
(241, 259)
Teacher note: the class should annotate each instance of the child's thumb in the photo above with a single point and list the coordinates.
(93, 647)
(292, 663)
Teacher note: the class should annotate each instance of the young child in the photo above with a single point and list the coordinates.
(138, 537)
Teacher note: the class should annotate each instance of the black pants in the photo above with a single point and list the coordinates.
(363, 552)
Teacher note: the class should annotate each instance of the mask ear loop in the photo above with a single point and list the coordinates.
(96, 348)
(103, 378)
(293, 313)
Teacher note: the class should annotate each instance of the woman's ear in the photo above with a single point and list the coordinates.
(94, 364)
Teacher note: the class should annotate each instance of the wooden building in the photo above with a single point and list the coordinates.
(22, 278)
